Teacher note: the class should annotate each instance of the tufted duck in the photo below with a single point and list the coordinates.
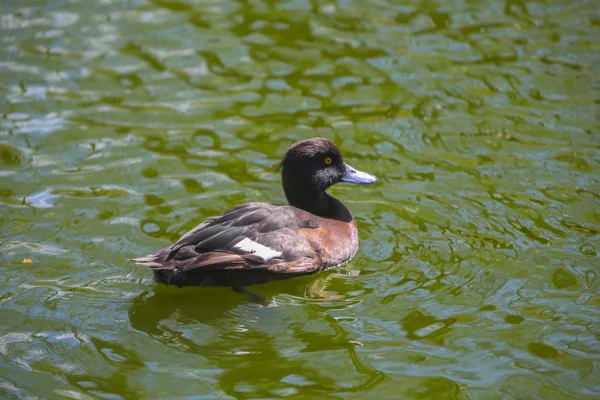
(260, 242)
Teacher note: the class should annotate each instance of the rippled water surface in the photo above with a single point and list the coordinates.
(125, 123)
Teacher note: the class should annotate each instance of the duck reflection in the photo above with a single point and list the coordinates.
(245, 339)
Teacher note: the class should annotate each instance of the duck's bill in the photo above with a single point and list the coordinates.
(352, 175)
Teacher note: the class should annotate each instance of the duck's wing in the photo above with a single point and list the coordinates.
(250, 236)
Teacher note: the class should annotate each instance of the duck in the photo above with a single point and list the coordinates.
(259, 242)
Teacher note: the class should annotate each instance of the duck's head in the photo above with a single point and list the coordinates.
(313, 165)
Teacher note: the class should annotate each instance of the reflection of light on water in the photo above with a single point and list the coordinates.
(32, 248)
(41, 200)
(13, 337)
(125, 220)
(239, 328)
(36, 125)
(427, 330)
(317, 290)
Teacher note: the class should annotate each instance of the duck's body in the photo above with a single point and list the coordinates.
(255, 243)
(260, 242)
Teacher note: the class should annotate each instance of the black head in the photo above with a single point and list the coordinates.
(313, 165)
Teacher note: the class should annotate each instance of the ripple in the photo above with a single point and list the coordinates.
(126, 124)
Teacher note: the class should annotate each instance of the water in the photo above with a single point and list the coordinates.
(125, 123)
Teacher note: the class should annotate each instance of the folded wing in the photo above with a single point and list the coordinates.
(249, 236)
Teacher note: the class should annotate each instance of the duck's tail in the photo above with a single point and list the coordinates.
(154, 261)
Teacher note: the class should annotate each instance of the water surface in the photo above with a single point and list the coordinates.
(125, 123)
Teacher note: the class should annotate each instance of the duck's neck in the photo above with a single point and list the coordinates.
(316, 202)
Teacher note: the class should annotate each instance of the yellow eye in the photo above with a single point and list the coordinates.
(328, 161)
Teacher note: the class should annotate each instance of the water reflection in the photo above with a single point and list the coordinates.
(245, 342)
(124, 124)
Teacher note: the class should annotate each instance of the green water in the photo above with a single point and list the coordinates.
(125, 123)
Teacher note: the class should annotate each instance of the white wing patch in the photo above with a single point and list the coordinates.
(257, 249)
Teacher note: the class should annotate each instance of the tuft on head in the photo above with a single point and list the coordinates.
(310, 148)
